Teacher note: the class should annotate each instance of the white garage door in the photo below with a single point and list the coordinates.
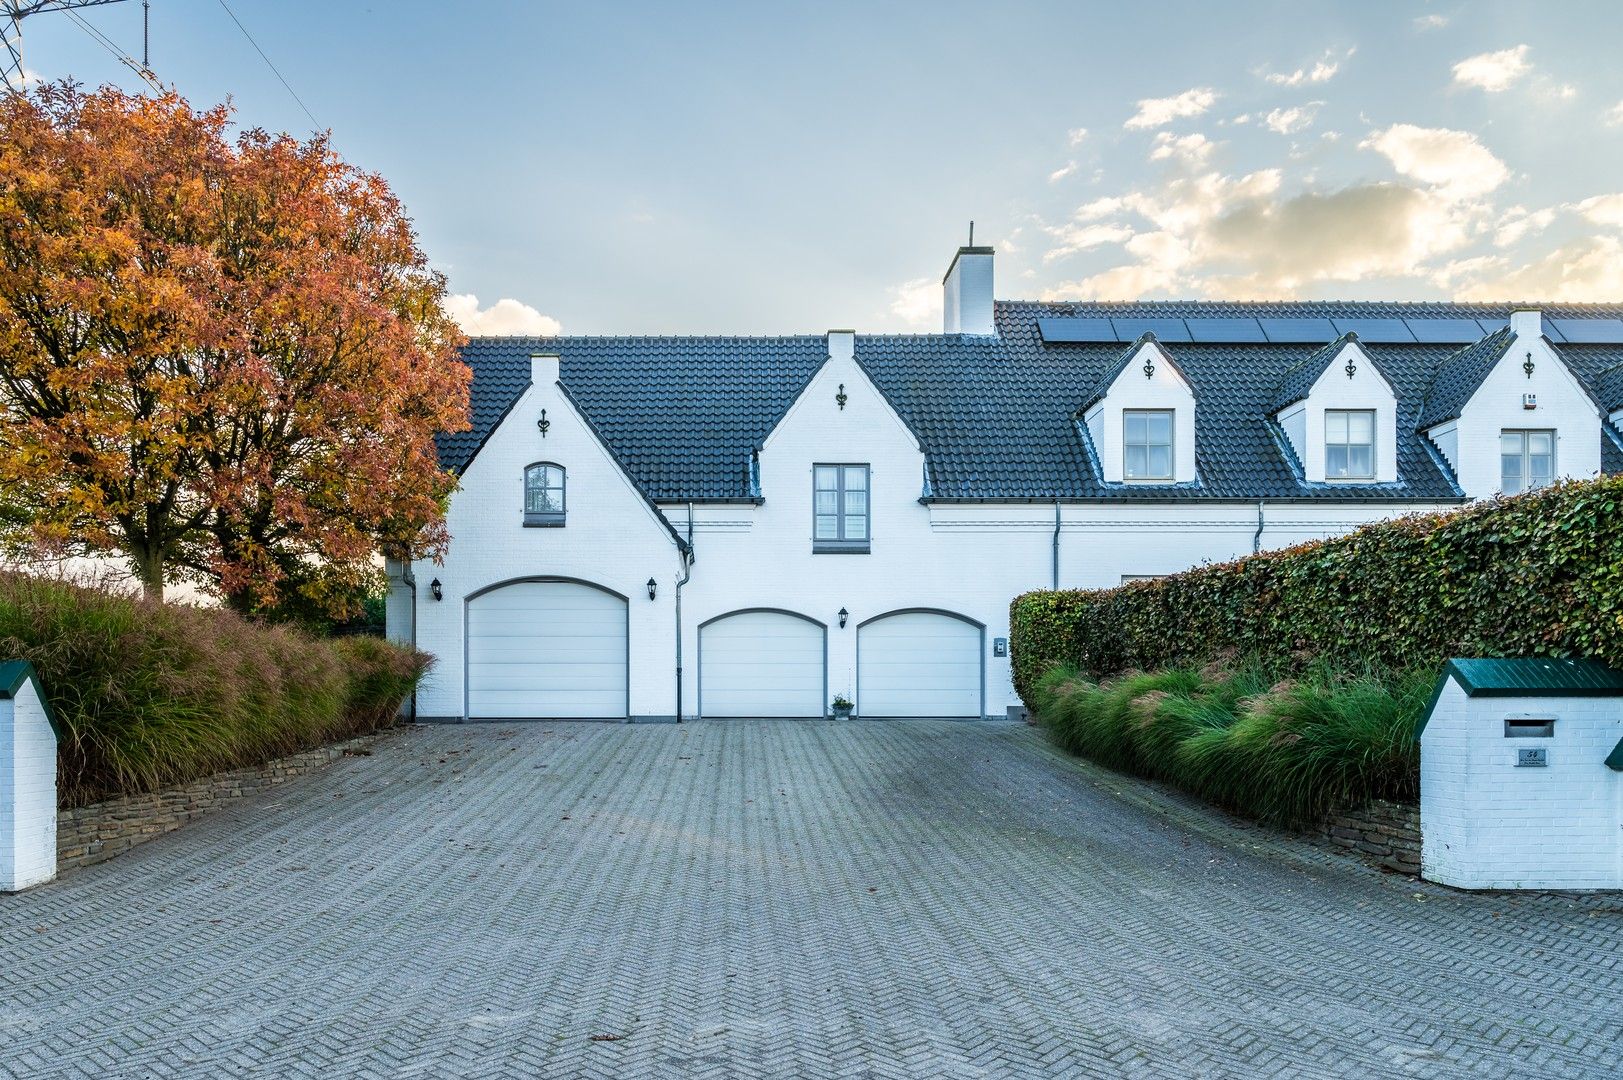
(761, 663)
(918, 663)
(547, 650)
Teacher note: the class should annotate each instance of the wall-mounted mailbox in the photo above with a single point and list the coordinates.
(1000, 646)
(1529, 401)
(1529, 727)
(1521, 775)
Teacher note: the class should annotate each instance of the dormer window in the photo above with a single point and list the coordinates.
(544, 495)
(1349, 444)
(1140, 418)
(1147, 444)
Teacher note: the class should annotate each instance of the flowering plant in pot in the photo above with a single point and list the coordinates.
(842, 707)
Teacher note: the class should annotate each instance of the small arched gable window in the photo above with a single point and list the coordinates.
(544, 495)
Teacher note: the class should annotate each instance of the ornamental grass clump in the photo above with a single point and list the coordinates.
(1287, 751)
(152, 695)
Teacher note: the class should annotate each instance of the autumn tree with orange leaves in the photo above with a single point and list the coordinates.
(224, 357)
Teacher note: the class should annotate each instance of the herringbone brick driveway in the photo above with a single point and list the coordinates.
(777, 899)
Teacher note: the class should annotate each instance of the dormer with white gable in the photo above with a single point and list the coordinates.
(1339, 413)
(1140, 418)
(1508, 414)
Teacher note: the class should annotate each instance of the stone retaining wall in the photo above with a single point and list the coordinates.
(1386, 833)
(96, 833)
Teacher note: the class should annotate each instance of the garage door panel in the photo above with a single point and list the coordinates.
(761, 663)
(918, 664)
(547, 650)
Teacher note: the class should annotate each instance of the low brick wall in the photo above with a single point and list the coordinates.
(96, 833)
(1386, 833)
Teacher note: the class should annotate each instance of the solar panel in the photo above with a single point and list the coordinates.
(1081, 330)
(1231, 330)
(1164, 329)
(1318, 331)
(1445, 331)
(1376, 331)
(1589, 331)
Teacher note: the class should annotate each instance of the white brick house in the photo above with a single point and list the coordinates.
(652, 528)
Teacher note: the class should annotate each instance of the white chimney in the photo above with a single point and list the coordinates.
(543, 369)
(1527, 323)
(966, 306)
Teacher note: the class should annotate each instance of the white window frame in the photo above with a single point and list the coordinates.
(1171, 445)
(842, 543)
(546, 518)
(1374, 467)
(1526, 477)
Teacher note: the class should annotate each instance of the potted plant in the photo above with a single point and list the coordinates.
(842, 707)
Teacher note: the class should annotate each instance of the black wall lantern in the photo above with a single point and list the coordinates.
(543, 424)
(436, 589)
(653, 588)
(844, 615)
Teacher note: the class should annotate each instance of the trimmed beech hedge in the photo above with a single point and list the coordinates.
(1539, 574)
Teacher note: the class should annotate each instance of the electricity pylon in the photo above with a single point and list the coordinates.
(13, 12)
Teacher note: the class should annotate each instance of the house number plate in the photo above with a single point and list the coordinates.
(1531, 759)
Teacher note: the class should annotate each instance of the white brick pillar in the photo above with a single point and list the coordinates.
(27, 781)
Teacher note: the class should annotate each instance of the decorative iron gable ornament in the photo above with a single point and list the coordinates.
(1352, 368)
(1527, 365)
(840, 397)
(543, 424)
(1149, 364)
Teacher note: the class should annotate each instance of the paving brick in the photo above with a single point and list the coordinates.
(885, 899)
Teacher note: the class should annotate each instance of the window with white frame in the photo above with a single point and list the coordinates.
(840, 513)
(1526, 460)
(1349, 444)
(1146, 451)
(544, 495)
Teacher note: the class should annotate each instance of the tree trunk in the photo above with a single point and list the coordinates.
(149, 568)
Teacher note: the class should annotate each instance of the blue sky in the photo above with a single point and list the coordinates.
(777, 168)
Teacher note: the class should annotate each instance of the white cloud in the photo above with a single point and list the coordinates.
(1192, 149)
(1323, 71)
(1603, 209)
(1292, 119)
(1520, 222)
(505, 317)
(1453, 163)
(1614, 115)
(917, 302)
(1156, 112)
(1081, 237)
(1430, 22)
(1062, 172)
(1588, 269)
(1493, 71)
(1075, 136)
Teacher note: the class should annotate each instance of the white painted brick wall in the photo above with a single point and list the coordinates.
(1487, 824)
(971, 559)
(27, 792)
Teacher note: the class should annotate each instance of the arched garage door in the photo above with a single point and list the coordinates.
(551, 650)
(762, 663)
(919, 663)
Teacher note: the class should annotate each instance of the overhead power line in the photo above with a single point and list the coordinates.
(262, 56)
(13, 12)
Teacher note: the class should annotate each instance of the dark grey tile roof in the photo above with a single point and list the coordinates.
(1459, 375)
(681, 414)
(994, 414)
(1299, 379)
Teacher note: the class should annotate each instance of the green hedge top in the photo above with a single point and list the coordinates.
(1540, 574)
